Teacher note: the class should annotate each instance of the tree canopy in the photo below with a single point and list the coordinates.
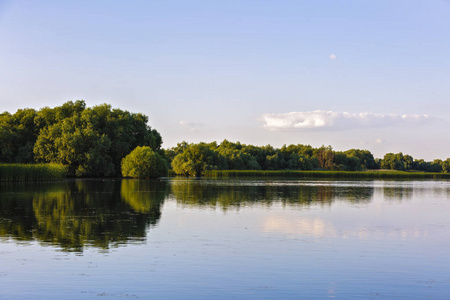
(144, 162)
(90, 141)
(194, 159)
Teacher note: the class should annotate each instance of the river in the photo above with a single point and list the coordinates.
(182, 238)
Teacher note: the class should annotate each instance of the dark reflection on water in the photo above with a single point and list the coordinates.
(79, 213)
(397, 193)
(76, 214)
(233, 194)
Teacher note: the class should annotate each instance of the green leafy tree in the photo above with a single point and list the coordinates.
(445, 165)
(397, 161)
(8, 142)
(325, 157)
(258, 157)
(74, 143)
(17, 136)
(366, 159)
(91, 141)
(144, 162)
(436, 166)
(196, 159)
(237, 159)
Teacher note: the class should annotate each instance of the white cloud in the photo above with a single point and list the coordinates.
(336, 120)
(332, 56)
(193, 126)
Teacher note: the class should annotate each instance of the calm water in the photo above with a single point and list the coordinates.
(225, 239)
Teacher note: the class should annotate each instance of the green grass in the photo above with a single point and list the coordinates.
(327, 174)
(31, 172)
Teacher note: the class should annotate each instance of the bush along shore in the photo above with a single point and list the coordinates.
(32, 172)
(326, 174)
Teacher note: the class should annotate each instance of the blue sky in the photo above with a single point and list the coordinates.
(351, 74)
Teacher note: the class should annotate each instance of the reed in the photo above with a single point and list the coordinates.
(31, 172)
(327, 174)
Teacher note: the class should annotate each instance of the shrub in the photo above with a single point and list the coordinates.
(144, 162)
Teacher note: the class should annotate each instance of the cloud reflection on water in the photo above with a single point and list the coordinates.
(318, 228)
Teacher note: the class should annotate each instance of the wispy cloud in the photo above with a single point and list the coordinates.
(337, 120)
(193, 126)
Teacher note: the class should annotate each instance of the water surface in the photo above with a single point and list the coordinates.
(225, 239)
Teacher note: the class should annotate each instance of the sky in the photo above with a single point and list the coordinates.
(369, 74)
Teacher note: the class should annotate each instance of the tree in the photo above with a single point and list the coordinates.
(236, 158)
(144, 162)
(91, 141)
(397, 161)
(17, 136)
(74, 143)
(366, 159)
(325, 156)
(8, 142)
(445, 165)
(196, 159)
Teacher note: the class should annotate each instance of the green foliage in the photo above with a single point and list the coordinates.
(31, 172)
(17, 136)
(397, 161)
(445, 165)
(169, 154)
(93, 141)
(236, 158)
(90, 141)
(196, 159)
(144, 162)
(365, 159)
(326, 156)
(327, 174)
(425, 166)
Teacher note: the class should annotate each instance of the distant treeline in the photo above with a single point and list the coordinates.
(196, 159)
(89, 141)
(300, 174)
(92, 142)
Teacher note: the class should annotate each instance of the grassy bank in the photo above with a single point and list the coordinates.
(31, 172)
(327, 174)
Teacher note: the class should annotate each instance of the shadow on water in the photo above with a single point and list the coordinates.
(77, 214)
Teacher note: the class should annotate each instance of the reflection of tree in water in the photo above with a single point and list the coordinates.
(17, 217)
(231, 195)
(398, 193)
(354, 194)
(104, 214)
(145, 196)
(83, 213)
